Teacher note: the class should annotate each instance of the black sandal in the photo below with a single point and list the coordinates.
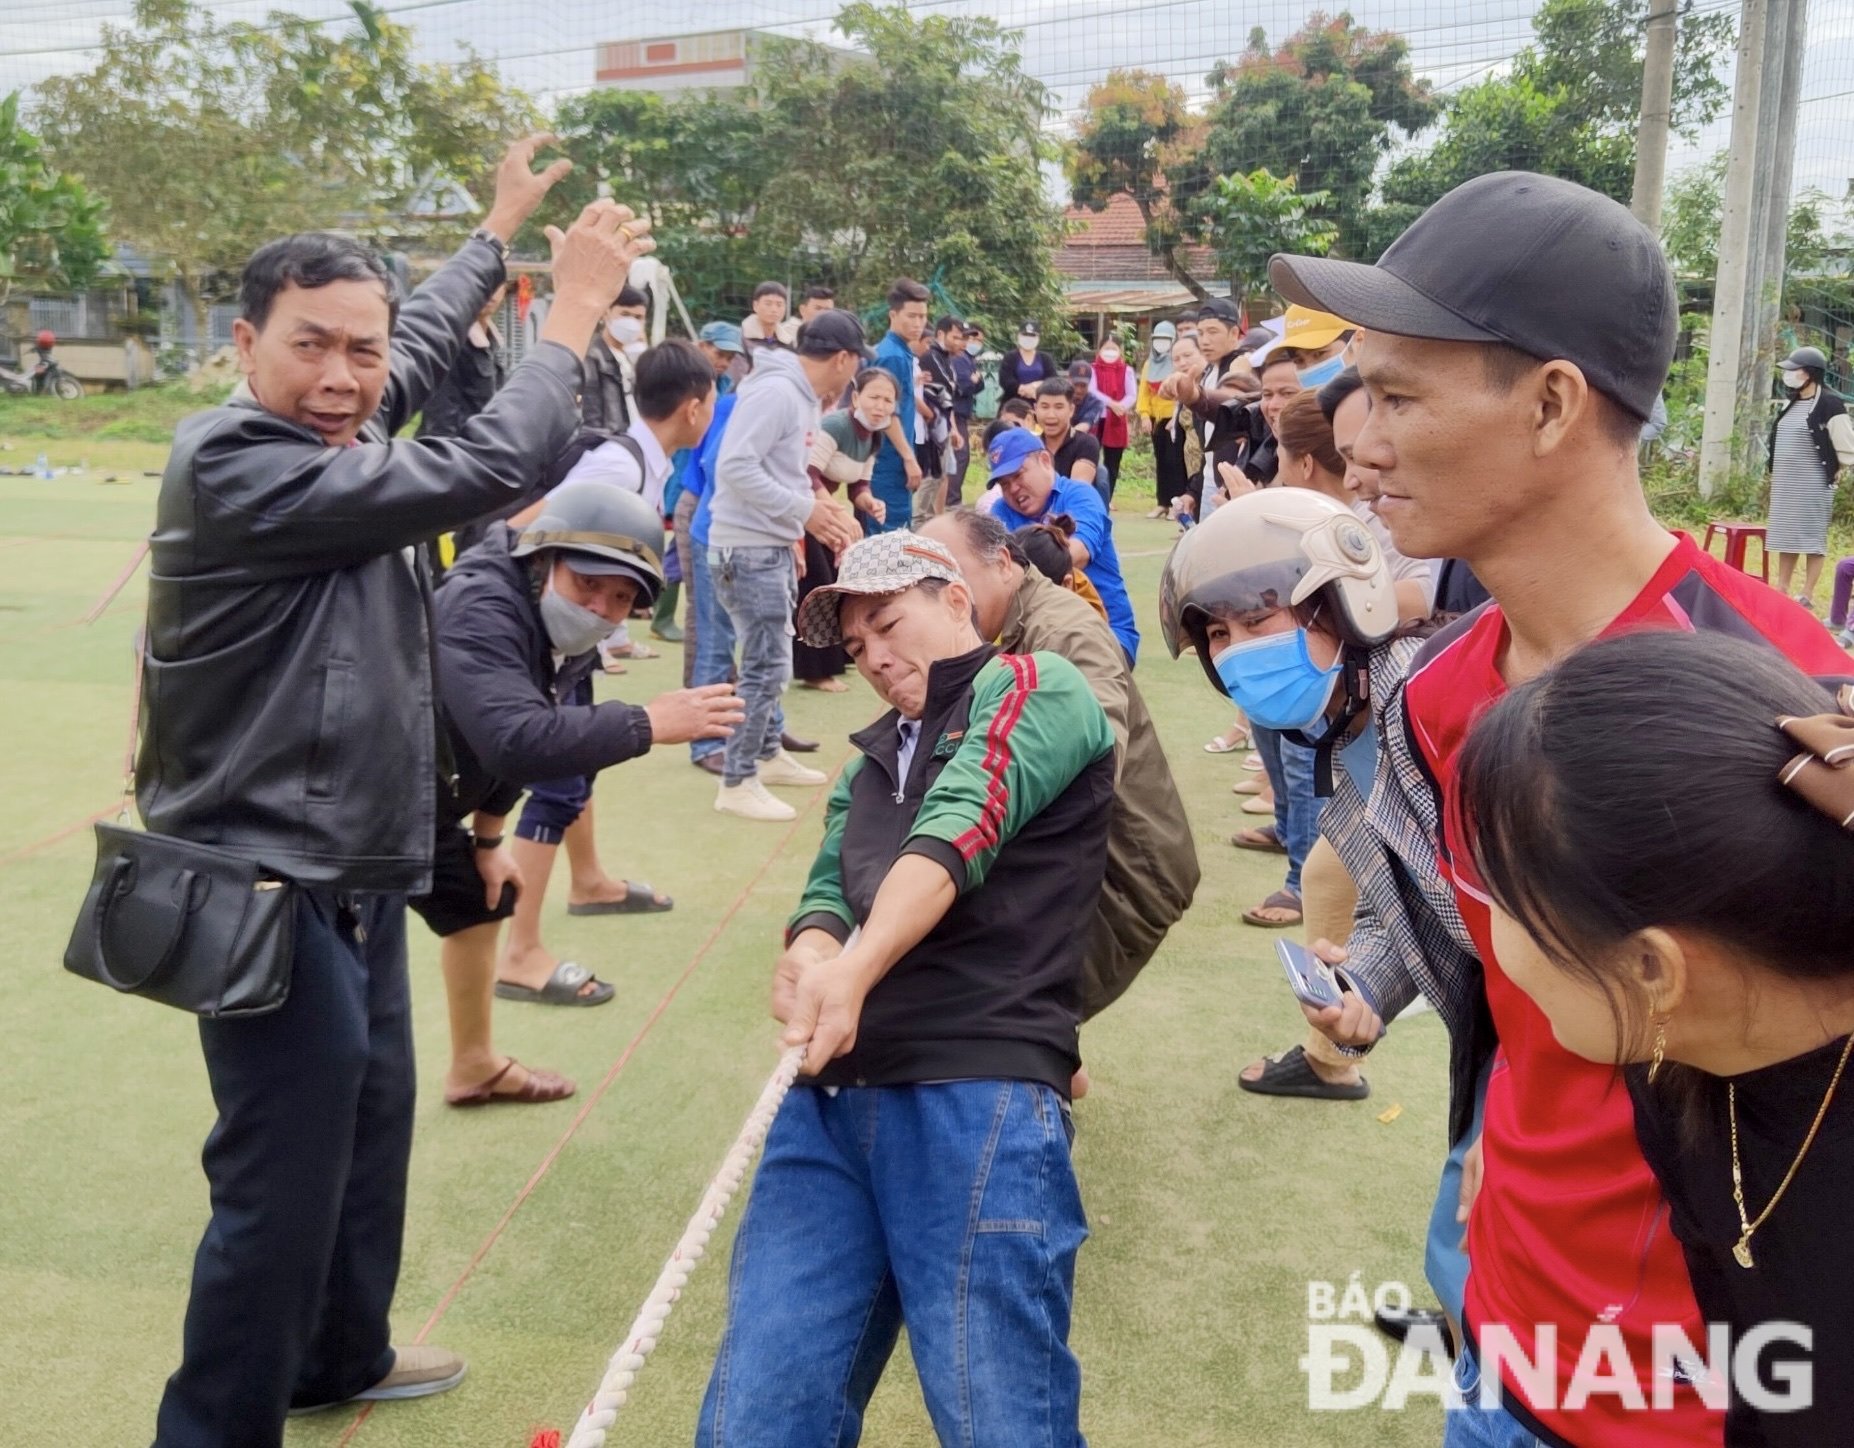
(1290, 1074)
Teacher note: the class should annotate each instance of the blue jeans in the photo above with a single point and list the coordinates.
(714, 643)
(1474, 1426)
(950, 1208)
(1445, 1251)
(1289, 767)
(307, 1164)
(758, 587)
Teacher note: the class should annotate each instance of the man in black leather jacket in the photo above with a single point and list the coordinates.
(287, 715)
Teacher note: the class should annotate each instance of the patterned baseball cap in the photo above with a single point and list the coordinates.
(885, 563)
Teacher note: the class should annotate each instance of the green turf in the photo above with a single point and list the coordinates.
(1211, 1209)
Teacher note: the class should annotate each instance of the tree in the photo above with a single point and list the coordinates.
(207, 138)
(1568, 108)
(51, 228)
(1323, 108)
(919, 157)
(1135, 133)
(1252, 217)
(1690, 223)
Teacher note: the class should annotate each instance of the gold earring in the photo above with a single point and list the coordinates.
(1660, 1048)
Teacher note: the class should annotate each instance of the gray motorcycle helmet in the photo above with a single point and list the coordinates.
(604, 530)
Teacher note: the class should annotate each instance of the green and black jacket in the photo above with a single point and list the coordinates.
(1010, 789)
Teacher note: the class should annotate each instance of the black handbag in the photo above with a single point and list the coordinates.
(192, 926)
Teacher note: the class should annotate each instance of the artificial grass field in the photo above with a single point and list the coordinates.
(534, 1232)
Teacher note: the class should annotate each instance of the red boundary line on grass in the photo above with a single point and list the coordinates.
(57, 836)
(598, 1094)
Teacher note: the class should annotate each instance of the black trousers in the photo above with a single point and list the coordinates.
(1168, 463)
(307, 1165)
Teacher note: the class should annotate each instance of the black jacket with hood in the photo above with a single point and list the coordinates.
(502, 694)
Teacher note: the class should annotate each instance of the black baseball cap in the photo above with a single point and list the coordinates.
(829, 333)
(1544, 265)
(1220, 309)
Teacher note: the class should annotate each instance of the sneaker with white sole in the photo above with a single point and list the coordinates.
(750, 800)
(783, 769)
(419, 1371)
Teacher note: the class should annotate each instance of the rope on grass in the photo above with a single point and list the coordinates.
(642, 1337)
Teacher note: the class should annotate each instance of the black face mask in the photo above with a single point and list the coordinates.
(1793, 393)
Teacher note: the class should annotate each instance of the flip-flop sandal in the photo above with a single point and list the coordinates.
(639, 899)
(540, 1088)
(1290, 1074)
(1263, 839)
(562, 988)
(1218, 746)
(612, 666)
(643, 651)
(1280, 900)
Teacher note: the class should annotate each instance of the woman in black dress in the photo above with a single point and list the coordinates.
(1665, 823)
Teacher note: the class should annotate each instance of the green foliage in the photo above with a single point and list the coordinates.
(1690, 220)
(207, 138)
(1323, 109)
(51, 227)
(917, 157)
(1250, 218)
(1136, 133)
(1568, 108)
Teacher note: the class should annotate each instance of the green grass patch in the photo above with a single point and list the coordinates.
(1211, 1209)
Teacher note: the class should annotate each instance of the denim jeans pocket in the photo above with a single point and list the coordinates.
(1011, 1191)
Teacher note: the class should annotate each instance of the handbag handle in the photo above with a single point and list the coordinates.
(120, 884)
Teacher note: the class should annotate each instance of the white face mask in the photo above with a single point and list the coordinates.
(1161, 346)
(625, 330)
(1792, 378)
(869, 424)
(1026, 341)
(1110, 354)
(973, 349)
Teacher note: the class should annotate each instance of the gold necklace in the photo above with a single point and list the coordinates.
(1741, 1250)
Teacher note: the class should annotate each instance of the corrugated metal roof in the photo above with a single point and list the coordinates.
(1134, 296)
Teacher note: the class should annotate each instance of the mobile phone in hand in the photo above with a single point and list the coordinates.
(1310, 978)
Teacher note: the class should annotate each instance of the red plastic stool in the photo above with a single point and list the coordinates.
(1737, 535)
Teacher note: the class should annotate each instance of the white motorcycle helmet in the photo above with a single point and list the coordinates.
(1276, 548)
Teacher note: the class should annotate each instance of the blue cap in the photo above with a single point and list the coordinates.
(1009, 450)
(724, 336)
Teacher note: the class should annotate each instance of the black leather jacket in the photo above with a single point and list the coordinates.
(287, 705)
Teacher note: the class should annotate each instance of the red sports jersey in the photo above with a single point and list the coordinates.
(1570, 1229)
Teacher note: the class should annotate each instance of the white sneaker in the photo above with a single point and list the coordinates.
(750, 801)
(783, 769)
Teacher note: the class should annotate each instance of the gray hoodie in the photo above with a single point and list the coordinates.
(762, 492)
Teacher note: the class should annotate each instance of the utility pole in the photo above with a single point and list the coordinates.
(1732, 282)
(1763, 192)
(1759, 354)
(1656, 116)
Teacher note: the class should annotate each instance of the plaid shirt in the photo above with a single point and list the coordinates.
(1408, 938)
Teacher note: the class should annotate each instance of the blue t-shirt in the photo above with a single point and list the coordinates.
(893, 357)
(700, 477)
(1096, 531)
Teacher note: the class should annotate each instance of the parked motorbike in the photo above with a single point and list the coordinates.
(45, 379)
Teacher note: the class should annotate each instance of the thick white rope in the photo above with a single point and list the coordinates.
(622, 1371)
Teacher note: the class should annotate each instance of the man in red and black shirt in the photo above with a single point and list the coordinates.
(1515, 338)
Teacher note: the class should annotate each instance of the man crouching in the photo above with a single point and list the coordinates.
(922, 1175)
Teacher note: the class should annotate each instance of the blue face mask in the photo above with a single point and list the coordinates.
(1276, 682)
(1320, 373)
